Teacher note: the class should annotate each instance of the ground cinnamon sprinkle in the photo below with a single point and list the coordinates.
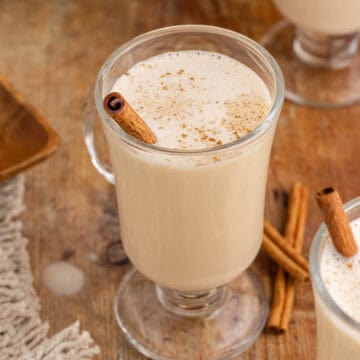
(243, 111)
(177, 102)
(165, 75)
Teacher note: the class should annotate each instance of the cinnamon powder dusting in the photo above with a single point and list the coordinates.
(244, 114)
(194, 99)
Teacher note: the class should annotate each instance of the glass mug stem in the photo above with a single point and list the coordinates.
(335, 52)
(192, 303)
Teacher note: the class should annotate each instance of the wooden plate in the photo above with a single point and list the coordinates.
(25, 136)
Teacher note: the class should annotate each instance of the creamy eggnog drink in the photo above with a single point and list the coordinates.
(193, 222)
(337, 300)
(332, 17)
(190, 181)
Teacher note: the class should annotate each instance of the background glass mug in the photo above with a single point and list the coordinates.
(318, 51)
(189, 223)
(338, 335)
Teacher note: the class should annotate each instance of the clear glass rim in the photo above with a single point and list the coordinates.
(317, 246)
(206, 29)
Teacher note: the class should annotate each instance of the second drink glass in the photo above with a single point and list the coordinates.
(318, 51)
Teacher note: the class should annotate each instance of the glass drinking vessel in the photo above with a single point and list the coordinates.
(317, 50)
(191, 220)
(338, 335)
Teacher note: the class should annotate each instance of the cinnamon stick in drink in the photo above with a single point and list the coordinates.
(337, 222)
(127, 118)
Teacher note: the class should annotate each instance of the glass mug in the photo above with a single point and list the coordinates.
(317, 49)
(338, 335)
(191, 220)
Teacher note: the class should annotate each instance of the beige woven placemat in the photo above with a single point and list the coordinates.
(23, 336)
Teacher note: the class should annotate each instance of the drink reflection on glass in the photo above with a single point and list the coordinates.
(191, 205)
(335, 280)
(317, 49)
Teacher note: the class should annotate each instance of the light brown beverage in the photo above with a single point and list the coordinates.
(329, 17)
(193, 221)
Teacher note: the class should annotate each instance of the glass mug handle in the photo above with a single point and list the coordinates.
(114, 253)
(90, 116)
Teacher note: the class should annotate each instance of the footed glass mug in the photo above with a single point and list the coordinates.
(317, 48)
(191, 220)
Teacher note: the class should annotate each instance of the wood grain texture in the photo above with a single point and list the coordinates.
(52, 51)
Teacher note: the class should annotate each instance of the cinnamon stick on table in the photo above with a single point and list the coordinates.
(284, 255)
(284, 287)
(297, 236)
(129, 120)
(337, 222)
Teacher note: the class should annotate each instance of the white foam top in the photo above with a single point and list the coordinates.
(195, 99)
(342, 275)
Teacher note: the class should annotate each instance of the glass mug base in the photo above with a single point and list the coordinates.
(151, 321)
(312, 78)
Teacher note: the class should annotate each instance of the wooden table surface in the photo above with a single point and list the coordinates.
(51, 51)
